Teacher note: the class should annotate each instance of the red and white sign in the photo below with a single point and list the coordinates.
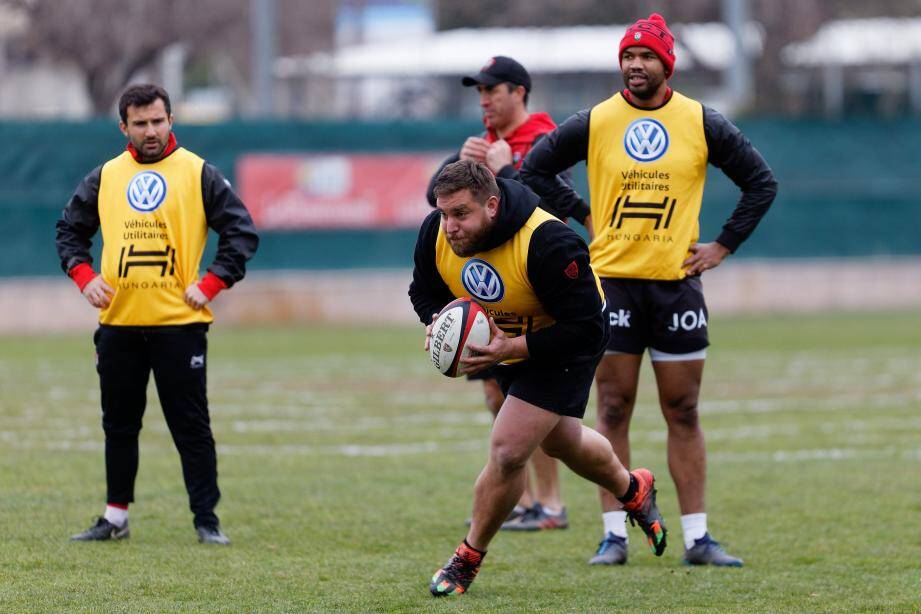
(293, 191)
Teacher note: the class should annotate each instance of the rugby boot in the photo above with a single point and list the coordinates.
(642, 511)
(103, 530)
(212, 534)
(611, 551)
(537, 518)
(707, 551)
(457, 575)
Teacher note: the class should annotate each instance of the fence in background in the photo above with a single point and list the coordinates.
(846, 189)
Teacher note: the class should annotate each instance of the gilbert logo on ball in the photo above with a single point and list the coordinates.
(461, 322)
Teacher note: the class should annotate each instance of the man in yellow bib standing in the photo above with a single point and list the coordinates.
(154, 203)
(489, 240)
(646, 150)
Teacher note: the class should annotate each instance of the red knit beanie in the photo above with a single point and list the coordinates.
(653, 34)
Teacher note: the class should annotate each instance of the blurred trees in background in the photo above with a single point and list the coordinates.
(111, 40)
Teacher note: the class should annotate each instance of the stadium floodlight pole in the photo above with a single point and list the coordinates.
(262, 22)
(736, 14)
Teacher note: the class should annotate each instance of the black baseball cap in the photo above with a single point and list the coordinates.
(500, 69)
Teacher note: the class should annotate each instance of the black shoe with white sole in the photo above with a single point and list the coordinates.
(103, 530)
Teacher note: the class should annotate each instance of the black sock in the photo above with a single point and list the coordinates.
(631, 491)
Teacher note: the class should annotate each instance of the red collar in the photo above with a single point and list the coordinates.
(537, 124)
(629, 97)
(170, 148)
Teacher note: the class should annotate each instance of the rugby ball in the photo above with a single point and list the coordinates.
(459, 323)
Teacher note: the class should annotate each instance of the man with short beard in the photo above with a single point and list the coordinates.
(647, 149)
(154, 204)
(535, 269)
(503, 86)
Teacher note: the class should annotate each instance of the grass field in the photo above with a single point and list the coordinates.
(347, 464)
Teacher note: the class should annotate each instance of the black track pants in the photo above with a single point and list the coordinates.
(177, 356)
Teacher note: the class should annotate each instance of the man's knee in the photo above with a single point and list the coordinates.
(508, 456)
(121, 431)
(614, 406)
(681, 411)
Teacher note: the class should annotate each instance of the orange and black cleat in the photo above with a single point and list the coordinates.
(457, 575)
(642, 510)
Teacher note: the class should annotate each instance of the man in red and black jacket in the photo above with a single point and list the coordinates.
(511, 130)
(504, 86)
(154, 204)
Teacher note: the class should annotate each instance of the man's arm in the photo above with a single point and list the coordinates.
(559, 270)
(428, 291)
(78, 223)
(731, 152)
(558, 151)
(226, 214)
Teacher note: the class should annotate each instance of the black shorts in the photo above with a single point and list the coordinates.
(562, 389)
(485, 374)
(668, 316)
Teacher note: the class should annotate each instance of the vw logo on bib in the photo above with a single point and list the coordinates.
(645, 140)
(146, 191)
(482, 281)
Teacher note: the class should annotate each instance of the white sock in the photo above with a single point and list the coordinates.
(694, 527)
(616, 523)
(552, 511)
(116, 515)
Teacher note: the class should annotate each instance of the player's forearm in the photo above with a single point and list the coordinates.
(424, 302)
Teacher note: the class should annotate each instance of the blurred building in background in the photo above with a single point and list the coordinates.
(418, 76)
(387, 59)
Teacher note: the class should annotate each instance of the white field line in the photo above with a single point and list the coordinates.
(472, 445)
(311, 421)
(809, 404)
(308, 405)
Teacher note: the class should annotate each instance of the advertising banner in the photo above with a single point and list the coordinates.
(296, 191)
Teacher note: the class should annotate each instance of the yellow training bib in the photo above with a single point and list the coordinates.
(498, 279)
(646, 174)
(154, 232)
